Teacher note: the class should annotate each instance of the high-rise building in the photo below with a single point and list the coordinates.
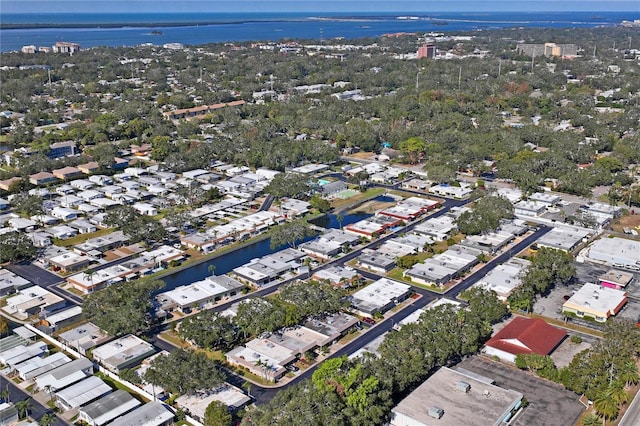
(427, 50)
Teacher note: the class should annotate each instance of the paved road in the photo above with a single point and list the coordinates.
(632, 415)
(479, 274)
(264, 395)
(45, 279)
(35, 274)
(37, 410)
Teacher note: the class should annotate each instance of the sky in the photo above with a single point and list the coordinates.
(235, 6)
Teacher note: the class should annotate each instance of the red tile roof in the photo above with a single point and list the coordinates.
(526, 336)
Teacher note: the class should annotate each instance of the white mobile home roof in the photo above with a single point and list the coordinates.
(109, 407)
(36, 366)
(65, 375)
(22, 353)
(84, 391)
(122, 350)
(151, 414)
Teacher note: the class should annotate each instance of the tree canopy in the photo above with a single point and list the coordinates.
(122, 308)
(290, 233)
(15, 247)
(549, 267)
(485, 216)
(136, 226)
(361, 391)
(185, 372)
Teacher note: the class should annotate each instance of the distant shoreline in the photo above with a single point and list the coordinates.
(40, 26)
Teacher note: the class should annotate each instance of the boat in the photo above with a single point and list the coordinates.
(156, 32)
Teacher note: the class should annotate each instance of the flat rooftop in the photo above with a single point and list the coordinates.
(228, 395)
(119, 351)
(380, 293)
(481, 404)
(597, 298)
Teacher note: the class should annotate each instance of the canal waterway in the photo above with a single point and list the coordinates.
(229, 261)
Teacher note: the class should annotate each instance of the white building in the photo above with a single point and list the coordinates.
(380, 296)
(122, 353)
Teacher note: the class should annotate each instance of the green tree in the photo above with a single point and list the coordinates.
(293, 185)
(290, 233)
(47, 419)
(591, 420)
(413, 149)
(209, 329)
(15, 247)
(320, 204)
(217, 414)
(136, 226)
(129, 375)
(4, 326)
(122, 308)
(29, 205)
(185, 372)
(485, 216)
(605, 405)
(24, 407)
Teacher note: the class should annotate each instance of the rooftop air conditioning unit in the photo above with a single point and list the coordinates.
(463, 386)
(435, 412)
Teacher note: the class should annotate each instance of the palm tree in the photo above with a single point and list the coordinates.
(23, 408)
(606, 406)
(617, 393)
(247, 386)
(591, 420)
(629, 373)
(339, 218)
(4, 395)
(212, 269)
(90, 273)
(47, 419)
(49, 390)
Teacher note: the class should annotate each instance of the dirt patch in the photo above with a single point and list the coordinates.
(363, 155)
(629, 221)
(372, 206)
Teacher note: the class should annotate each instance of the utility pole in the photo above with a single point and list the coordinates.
(499, 67)
(594, 50)
(459, 77)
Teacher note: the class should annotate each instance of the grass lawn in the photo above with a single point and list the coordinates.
(214, 355)
(339, 204)
(81, 238)
(117, 385)
(561, 323)
(75, 291)
(349, 337)
(171, 337)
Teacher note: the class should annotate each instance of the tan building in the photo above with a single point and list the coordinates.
(595, 301)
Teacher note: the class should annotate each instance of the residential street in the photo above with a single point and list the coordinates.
(37, 409)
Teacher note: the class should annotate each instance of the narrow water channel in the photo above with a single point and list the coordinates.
(229, 261)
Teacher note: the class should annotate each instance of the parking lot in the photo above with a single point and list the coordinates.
(549, 403)
(564, 353)
(551, 305)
